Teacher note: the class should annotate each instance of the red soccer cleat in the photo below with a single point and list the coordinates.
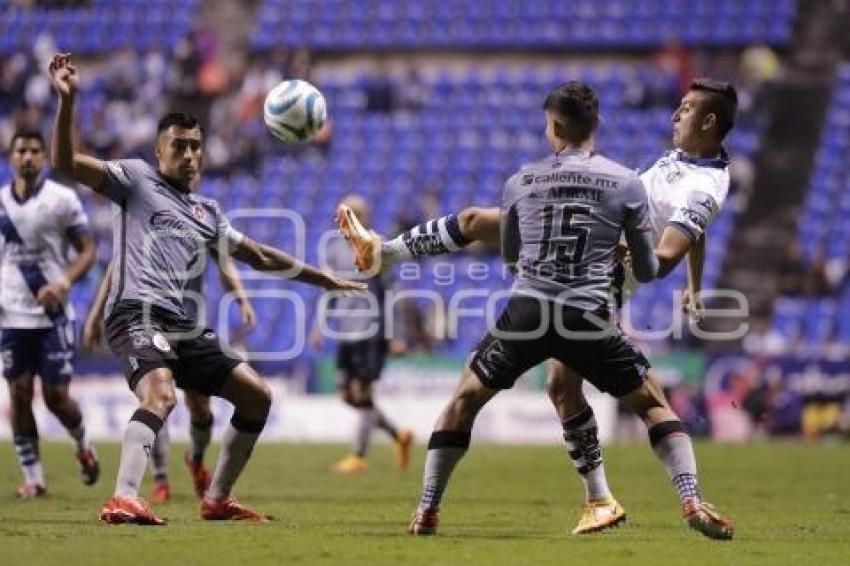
(89, 466)
(425, 522)
(200, 475)
(161, 492)
(228, 509)
(120, 509)
(30, 490)
(701, 516)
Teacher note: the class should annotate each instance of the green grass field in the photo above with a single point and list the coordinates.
(507, 505)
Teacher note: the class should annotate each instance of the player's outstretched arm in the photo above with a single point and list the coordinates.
(92, 326)
(82, 168)
(268, 259)
(692, 303)
(671, 249)
(232, 283)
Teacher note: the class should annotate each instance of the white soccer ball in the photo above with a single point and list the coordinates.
(294, 111)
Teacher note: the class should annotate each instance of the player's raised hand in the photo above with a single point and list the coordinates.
(52, 295)
(63, 75)
(692, 306)
(248, 314)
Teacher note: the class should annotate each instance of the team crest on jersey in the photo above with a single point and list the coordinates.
(139, 338)
(161, 343)
(674, 175)
(198, 211)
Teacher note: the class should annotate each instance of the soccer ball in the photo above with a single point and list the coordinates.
(294, 111)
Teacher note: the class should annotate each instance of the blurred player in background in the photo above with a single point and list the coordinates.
(686, 188)
(361, 354)
(200, 412)
(162, 231)
(39, 220)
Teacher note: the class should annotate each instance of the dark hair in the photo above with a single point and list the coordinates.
(179, 119)
(578, 105)
(27, 134)
(722, 101)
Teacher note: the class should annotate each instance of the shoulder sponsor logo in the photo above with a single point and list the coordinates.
(161, 343)
(198, 211)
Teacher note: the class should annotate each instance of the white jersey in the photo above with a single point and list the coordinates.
(34, 245)
(685, 193)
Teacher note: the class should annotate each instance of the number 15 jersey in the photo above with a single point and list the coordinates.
(562, 219)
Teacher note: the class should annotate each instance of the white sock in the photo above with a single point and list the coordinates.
(581, 437)
(26, 448)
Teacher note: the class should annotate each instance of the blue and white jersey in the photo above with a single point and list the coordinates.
(34, 244)
(685, 193)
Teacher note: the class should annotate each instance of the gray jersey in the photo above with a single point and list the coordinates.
(562, 218)
(161, 236)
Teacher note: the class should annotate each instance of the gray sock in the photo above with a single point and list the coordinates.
(159, 454)
(139, 437)
(581, 437)
(445, 449)
(672, 445)
(200, 434)
(238, 442)
(364, 430)
(383, 423)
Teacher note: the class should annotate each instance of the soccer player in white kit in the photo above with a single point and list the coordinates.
(40, 220)
(686, 188)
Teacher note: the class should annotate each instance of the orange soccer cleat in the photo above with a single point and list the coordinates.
(703, 517)
(200, 475)
(425, 522)
(365, 244)
(121, 509)
(161, 492)
(229, 509)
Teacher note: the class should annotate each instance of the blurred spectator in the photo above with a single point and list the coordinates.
(816, 283)
(412, 92)
(380, 93)
(676, 61)
(791, 270)
(762, 340)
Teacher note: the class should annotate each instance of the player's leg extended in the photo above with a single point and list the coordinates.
(435, 237)
(159, 460)
(59, 401)
(25, 435)
(56, 366)
(350, 392)
(251, 398)
(601, 510)
(448, 443)
(200, 434)
(156, 395)
(673, 447)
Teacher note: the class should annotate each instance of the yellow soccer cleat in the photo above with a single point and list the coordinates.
(598, 515)
(402, 447)
(366, 244)
(703, 517)
(351, 465)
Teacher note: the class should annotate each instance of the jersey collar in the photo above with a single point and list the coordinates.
(38, 185)
(719, 162)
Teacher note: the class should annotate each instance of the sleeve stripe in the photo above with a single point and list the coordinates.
(445, 237)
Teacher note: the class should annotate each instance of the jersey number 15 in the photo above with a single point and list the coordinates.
(563, 239)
